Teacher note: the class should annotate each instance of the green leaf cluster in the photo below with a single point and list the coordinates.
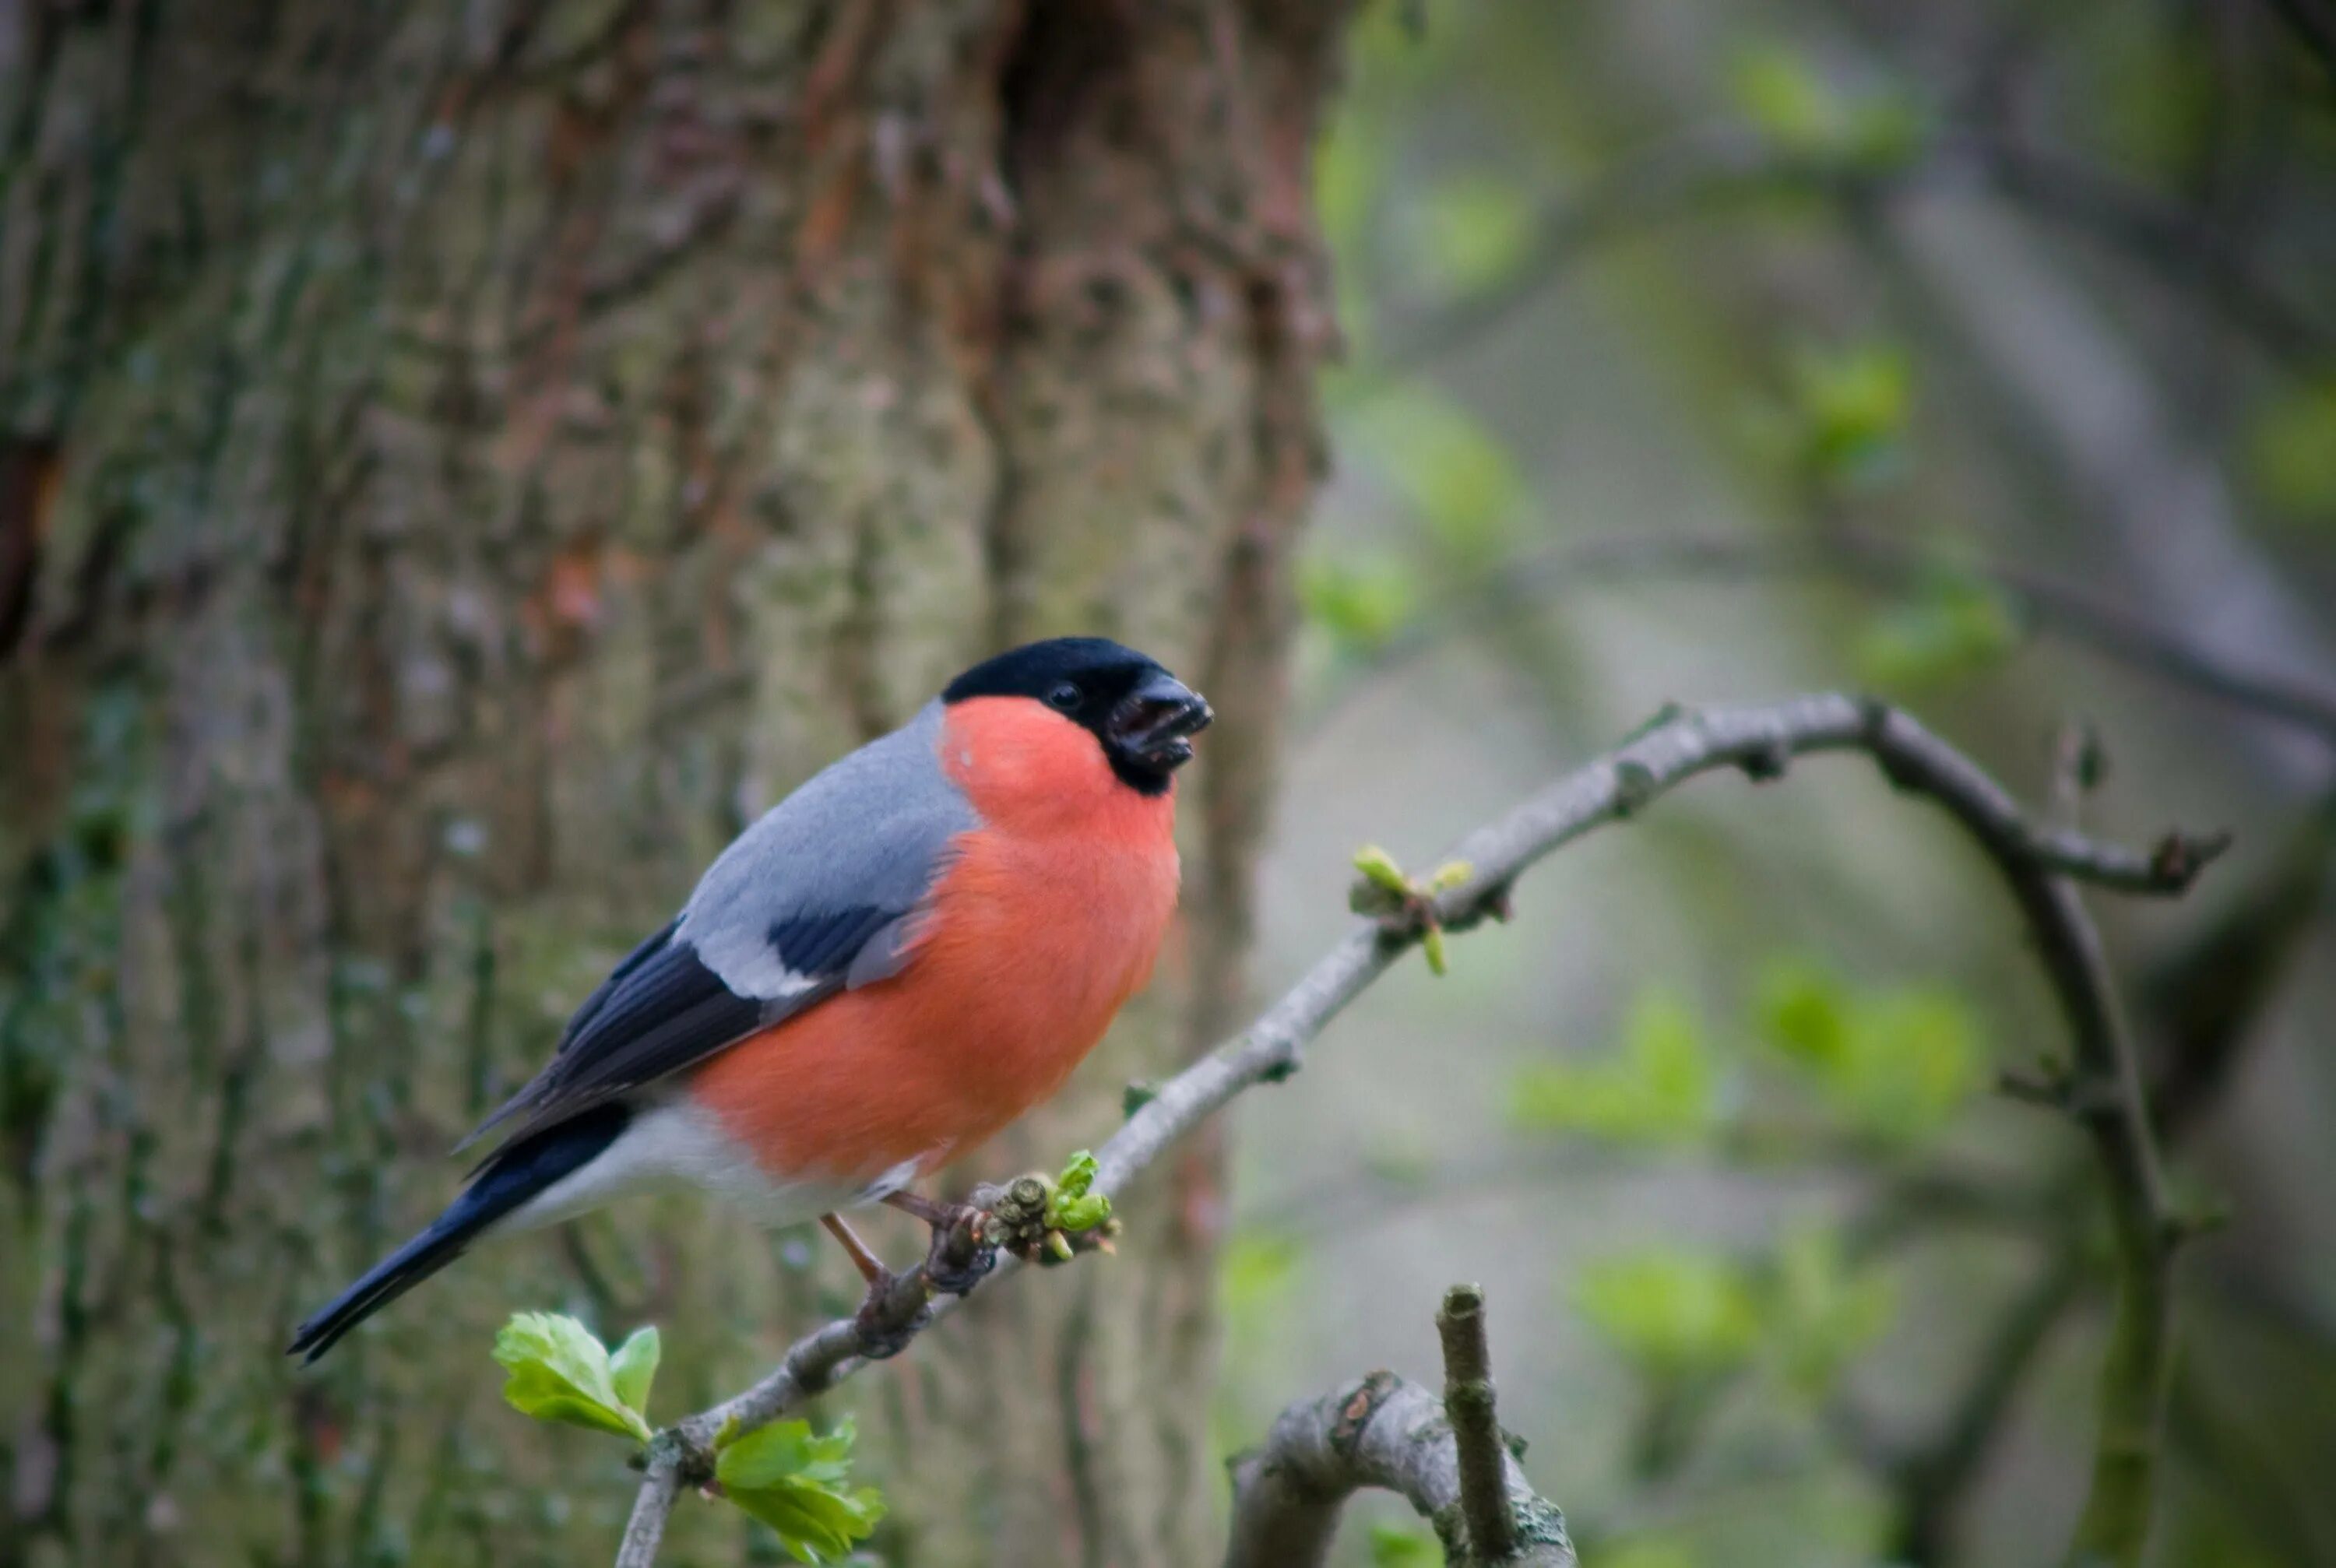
(799, 1484)
(559, 1371)
(1894, 1065)
(1072, 1206)
(1659, 1086)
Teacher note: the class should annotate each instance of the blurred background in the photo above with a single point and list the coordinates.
(1709, 352)
(1980, 355)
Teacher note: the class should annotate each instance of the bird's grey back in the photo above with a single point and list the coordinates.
(834, 867)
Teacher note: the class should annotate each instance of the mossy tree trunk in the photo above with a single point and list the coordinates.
(457, 463)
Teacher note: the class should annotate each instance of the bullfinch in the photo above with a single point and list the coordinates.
(897, 961)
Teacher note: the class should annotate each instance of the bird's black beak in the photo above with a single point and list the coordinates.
(1153, 725)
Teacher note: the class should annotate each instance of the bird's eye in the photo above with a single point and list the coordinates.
(1065, 697)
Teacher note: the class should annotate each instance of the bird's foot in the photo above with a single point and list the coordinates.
(964, 1246)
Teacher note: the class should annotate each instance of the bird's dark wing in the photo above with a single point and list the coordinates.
(823, 893)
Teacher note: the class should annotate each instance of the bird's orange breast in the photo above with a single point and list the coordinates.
(1046, 921)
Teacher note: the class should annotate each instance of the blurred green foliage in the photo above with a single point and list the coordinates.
(1843, 420)
(1895, 1065)
(1659, 1086)
(1672, 1313)
(1462, 485)
(2291, 453)
(1951, 626)
(1361, 603)
(1470, 232)
(1785, 97)
(1395, 1546)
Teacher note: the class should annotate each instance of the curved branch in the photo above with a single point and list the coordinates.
(1445, 1457)
(2102, 1089)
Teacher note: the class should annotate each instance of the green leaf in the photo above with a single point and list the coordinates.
(796, 1483)
(634, 1366)
(1394, 1546)
(1431, 946)
(1070, 1207)
(1661, 1087)
(1672, 1313)
(1079, 1213)
(559, 1372)
(1379, 869)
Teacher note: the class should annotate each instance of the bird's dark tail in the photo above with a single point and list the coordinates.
(510, 1177)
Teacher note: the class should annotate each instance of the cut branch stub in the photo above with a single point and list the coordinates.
(1476, 1430)
(1447, 1459)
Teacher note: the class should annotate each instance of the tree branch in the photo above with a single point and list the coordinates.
(1446, 1458)
(1759, 741)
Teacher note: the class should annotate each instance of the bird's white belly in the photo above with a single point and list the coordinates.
(674, 1146)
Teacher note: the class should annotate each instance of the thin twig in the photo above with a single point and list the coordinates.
(1480, 1456)
(1756, 740)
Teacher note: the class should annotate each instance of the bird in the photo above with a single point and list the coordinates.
(892, 964)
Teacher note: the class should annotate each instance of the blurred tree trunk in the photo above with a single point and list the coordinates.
(457, 463)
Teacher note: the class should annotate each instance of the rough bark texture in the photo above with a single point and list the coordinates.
(457, 462)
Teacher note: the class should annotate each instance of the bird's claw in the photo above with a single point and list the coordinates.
(962, 1253)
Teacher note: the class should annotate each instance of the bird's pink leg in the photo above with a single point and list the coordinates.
(872, 1267)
